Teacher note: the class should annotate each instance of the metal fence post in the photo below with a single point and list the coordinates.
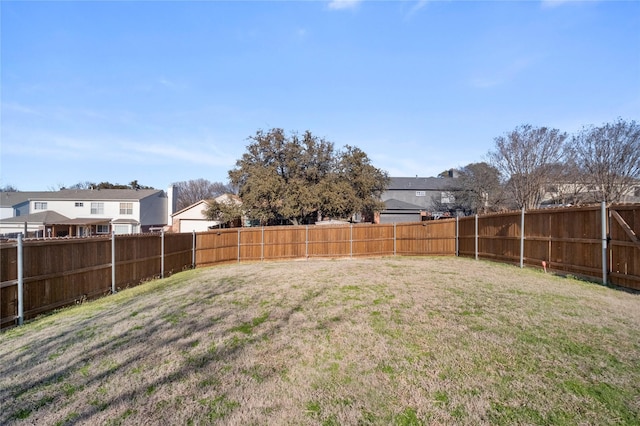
(394, 238)
(351, 240)
(113, 262)
(522, 238)
(476, 237)
(193, 250)
(162, 254)
(603, 219)
(20, 265)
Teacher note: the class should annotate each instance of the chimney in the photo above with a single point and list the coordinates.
(172, 201)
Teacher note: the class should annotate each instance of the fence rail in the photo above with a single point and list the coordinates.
(597, 242)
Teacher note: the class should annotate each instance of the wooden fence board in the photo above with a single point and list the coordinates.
(60, 272)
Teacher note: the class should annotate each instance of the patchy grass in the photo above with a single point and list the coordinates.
(400, 341)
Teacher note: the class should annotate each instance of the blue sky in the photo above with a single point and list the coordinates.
(162, 92)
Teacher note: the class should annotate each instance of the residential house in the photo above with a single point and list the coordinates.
(193, 218)
(14, 204)
(413, 199)
(90, 212)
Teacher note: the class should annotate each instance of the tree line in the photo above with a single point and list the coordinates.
(292, 178)
(598, 163)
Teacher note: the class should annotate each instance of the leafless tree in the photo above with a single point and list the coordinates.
(479, 188)
(525, 157)
(192, 191)
(609, 155)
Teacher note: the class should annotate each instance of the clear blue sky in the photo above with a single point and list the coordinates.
(170, 91)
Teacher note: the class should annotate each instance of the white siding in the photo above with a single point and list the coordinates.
(190, 225)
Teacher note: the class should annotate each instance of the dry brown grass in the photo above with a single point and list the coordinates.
(374, 341)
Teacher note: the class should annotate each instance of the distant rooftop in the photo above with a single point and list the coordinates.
(9, 199)
(421, 183)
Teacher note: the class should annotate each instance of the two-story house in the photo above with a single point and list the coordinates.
(412, 199)
(73, 212)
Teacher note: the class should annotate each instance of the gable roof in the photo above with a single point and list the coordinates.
(13, 198)
(224, 198)
(98, 194)
(192, 206)
(421, 183)
(393, 204)
(45, 217)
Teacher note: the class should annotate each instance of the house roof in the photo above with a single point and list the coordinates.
(46, 217)
(13, 198)
(96, 194)
(83, 221)
(192, 206)
(393, 204)
(224, 198)
(421, 183)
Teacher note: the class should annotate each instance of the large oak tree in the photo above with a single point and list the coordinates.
(302, 178)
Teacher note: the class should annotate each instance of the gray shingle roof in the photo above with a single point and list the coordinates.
(393, 204)
(10, 199)
(45, 217)
(98, 194)
(421, 183)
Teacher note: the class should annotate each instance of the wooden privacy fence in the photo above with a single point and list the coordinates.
(595, 241)
(37, 276)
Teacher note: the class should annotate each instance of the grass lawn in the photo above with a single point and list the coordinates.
(403, 341)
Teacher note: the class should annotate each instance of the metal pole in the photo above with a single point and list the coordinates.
(476, 237)
(394, 238)
(162, 254)
(193, 250)
(351, 240)
(603, 219)
(20, 280)
(522, 239)
(113, 262)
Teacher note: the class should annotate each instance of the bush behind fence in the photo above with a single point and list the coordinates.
(59, 273)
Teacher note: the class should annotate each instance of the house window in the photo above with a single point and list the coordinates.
(97, 208)
(421, 193)
(102, 229)
(79, 204)
(447, 198)
(126, 208)
(39, 205)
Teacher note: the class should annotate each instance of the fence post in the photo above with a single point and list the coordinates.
(20, 249)
(306, 242)
(394, 238)
(262, 246)
(522, 238)
(457, 236)
(193, 250)
(162, 254)
(238, 245)
(603, 219)
(476, 237)
(113, 262)
(351, 240)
